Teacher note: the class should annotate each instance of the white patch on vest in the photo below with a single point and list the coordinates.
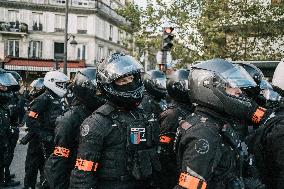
(85, 130)
(201, 146)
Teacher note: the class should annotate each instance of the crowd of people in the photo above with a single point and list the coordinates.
(217, 125)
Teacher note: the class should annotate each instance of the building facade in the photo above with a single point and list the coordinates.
(34, 29)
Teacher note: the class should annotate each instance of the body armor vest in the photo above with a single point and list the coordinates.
(54, 110)
(4, 120)
(131, 152)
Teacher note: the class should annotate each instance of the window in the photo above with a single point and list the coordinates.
(81, 52)
(37, 21)
(38, 1)
(101, 28)
(12, 48)
(110, 32)
(59, 23)
(58, 50)
(81, 2)
(100, 53)
(120, 37)
(60, 1)
(13, 15)
(109, 52)
(35, 49)
(82, 24)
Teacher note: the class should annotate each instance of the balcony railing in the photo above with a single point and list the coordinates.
(13, 27)
(100, 6)
(37, 27)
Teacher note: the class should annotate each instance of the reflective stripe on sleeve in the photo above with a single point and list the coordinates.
(165, 139)
(62, 152)
(85, 165)
(33, 114)
(190, 182)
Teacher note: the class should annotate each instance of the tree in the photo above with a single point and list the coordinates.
(235, 29)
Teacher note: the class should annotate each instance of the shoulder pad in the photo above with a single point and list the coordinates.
(105, 109)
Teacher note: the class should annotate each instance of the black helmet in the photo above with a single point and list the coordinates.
(155, 83)
(84, 87)
(8, 85)
(177, 86)
(16, 75)
(253, 71)
(208, 82)
(117, 66)
(37, 88)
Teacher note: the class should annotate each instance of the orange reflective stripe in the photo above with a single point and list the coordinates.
(258, 114)
(33, 114)
(62, 152)
(165, 139)
(85, 165)
(190, 182)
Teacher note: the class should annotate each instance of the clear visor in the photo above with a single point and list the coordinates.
(125, 65)
(237, 77)
(37, 84)
(6, 79)
(161, 83)
(270, 95)
(265, 85)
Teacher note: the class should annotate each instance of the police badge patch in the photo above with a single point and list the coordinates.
(137, 135)
(85, 130)
(201, 146)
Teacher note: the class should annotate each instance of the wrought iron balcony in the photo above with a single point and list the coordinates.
(14, 27)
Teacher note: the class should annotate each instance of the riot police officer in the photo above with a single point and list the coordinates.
(178, 109)
(87, 99)
(207, 145)
(8, 85)
(37, 88)
(118, 145)
(13, 134)
(41, 124)
(154, 101)
(268, 141)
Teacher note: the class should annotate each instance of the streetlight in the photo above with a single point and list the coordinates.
(66, 38)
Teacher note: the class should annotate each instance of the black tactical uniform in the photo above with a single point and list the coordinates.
(178, 110)
(59, 165)
(8, 85)
(118, 145)
(208, 148)
(41, 124)
(268, 141)
(154, 101)
(13, 135)
(4, 129)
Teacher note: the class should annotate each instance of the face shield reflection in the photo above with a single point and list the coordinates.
(6, 79)
(265, 85)
(161, 83)
(237, 77)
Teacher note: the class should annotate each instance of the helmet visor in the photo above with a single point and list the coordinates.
(38, 83)
(265, 85)
(121, 66)
(237, 77)
(160, 83)
(6, 79)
